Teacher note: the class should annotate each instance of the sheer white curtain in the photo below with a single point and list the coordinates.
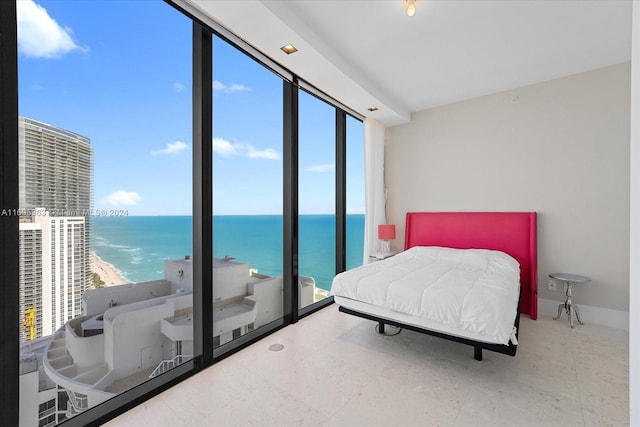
(374, 134)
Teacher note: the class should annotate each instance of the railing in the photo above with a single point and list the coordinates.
(77, 403)
(166, 365)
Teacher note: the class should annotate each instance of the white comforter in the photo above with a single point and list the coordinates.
(472, 290)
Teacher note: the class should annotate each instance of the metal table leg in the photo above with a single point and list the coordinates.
(570, 314)
(575, 308)
(560, 307)
(569, 307)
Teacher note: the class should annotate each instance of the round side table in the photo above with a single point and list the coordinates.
(569, 307)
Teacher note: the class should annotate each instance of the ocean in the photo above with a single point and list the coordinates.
(138, 245)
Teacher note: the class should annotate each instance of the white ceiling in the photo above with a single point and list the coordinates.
(370, 53)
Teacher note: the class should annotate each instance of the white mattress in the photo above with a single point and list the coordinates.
(471, 293)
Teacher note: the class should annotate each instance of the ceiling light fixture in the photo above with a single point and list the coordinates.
(289, 49)
(411, 7)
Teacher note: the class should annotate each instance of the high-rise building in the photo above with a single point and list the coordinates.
(56, 192)
(55, 169)
(64, 269)
(30, 280)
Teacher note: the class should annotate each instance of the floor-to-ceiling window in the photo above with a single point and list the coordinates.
(355, 205)
(247, 194)
(104, 143)
(316, 198)
(110, 138)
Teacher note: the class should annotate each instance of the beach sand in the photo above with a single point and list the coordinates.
(107, 272)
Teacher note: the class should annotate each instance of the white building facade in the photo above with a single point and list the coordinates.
(30, 259)
(55, 201)
(53, 272)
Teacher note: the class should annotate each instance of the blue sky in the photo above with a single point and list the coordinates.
(119, 73)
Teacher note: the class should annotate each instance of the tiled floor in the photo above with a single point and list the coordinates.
(335, 370)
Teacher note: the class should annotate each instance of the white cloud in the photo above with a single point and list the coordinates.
(267, 153)
(39, 35)
(217, 85)
(223, 147)
(320, 168)
(172, 148)
(121, 198)
(227, 149)
(237, 88)
(234, 87)
(178, 87)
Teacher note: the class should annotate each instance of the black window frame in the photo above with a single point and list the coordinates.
(9, 228)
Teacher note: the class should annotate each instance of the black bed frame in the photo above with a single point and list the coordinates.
(514, 233)
(478, 346)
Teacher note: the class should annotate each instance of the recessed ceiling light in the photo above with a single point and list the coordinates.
(372, 109)
(289, 49)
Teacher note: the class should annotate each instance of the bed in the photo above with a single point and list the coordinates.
(464, 276)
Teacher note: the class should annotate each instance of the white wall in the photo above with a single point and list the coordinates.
(634, 288)
(96, 301)
(133, 341)
(267, 293)
(87, 352)
(28, 414)
(560, 148)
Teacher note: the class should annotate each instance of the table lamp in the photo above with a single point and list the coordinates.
(386, 233)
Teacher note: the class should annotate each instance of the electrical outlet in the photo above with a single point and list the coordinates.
(552, 285)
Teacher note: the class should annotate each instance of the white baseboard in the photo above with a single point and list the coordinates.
(588, 314)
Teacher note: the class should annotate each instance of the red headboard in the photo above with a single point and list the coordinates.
(514, 233)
